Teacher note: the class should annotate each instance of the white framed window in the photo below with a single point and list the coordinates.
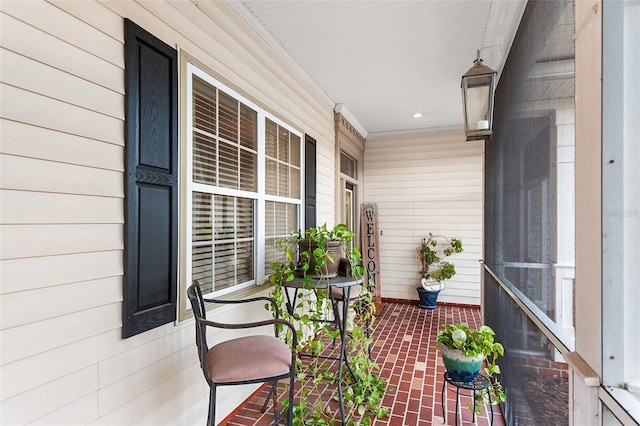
(242, 168)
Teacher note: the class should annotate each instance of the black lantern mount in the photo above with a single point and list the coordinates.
(478, 89)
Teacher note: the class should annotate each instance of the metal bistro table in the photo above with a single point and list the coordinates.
(340, 318)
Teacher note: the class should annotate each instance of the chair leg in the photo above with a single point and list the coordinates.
(291, 391)
(266, 401)
(276, 414)
(211, 419)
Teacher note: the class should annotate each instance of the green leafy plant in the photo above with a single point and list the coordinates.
(362, 396)
(473, 343)
(309, 252)
(432, 252)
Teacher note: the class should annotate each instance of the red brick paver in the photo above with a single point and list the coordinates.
(405, 349)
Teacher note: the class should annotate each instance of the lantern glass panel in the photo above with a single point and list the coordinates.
(478, 100)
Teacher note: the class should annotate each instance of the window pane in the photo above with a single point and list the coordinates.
(347, 165)
(201, 212)
(224, 265)
(228, 110)
(269, 254)
(204, 106)
(271, 139)
(244, 218)
(271, 179)
(295, 150)
(204, 159)
(248, 170)
(248, 129)
(281, 219)
(294, 183)
(283, 180)
(224, 217)
(292, 218)
(202, 266)
(244, 254)
(283, 145)
(269, 215)
(228, 176)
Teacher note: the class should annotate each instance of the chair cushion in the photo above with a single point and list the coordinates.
(248, 358)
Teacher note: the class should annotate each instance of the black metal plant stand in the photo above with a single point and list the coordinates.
(479, 384)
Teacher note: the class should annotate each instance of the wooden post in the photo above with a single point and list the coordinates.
(370, 253)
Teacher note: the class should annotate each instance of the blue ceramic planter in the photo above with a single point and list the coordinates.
(461, 368)
(428, 298)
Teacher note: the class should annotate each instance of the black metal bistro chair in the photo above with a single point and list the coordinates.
(243, 360)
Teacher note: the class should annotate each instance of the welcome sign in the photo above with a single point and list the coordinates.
(370, 253)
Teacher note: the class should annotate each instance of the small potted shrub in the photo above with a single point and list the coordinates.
(434, 268)
(463, 352)
(322, 247)
(316, 251)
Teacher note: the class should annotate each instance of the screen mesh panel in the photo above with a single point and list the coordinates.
(530, 212)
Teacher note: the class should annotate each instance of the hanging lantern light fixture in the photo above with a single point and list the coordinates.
(478, 89)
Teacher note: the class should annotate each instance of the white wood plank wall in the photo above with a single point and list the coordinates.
(63, 361)
(428, 182)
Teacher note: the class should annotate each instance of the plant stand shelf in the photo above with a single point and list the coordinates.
(478, 385)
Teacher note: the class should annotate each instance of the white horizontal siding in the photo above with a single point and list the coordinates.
(27, 141)
(74, 297)
(51, 50)
(19, 241)
(63, 360)
(65, 27)
(180, 391)
(44, 207)
(113, 395)
(425, 183)
(34, 338)
(32, 273)
(27, 107)
(55, 84)
(44, 399)
(79, 412)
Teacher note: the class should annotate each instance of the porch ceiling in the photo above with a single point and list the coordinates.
(381, 61)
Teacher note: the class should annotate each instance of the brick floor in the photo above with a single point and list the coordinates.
(405, 349)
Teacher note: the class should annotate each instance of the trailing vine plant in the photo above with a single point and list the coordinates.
(362, 395)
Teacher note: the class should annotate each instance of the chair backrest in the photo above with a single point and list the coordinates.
(194, 293)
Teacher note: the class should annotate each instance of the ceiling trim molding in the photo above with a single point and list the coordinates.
(348, 115)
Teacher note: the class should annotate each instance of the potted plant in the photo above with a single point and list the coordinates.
(322, 247)
(432, 253)
(463, 352)
(317, 251)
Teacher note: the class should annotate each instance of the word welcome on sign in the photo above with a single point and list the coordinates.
(370, 253)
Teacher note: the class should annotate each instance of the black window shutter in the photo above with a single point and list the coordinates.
(310, 181)
(151, 182)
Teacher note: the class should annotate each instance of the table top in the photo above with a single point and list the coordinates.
(324, 282)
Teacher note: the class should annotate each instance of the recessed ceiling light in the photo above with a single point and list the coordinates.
(417, 115)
